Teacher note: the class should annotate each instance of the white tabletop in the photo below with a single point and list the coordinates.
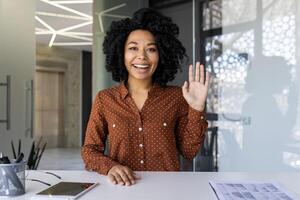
(158, 185)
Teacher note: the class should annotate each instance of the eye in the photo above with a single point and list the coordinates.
(133, 48)
(152, 50)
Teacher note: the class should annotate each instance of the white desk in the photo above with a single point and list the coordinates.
(159, 185)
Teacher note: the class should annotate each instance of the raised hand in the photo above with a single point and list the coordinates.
(195, 91)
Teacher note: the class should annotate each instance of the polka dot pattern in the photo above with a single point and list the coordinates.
(149, 139)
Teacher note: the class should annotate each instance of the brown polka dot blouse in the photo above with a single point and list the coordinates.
(146, 140)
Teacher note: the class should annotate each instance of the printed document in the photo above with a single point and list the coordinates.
(250, 191)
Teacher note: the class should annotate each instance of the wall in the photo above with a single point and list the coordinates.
(17, 59)
(70, 60)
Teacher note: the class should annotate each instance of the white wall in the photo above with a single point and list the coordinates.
(17, 58)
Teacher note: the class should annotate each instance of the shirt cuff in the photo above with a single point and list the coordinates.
(196, 115)
(107, 166)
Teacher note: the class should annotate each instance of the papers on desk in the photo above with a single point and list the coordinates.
(250, 191)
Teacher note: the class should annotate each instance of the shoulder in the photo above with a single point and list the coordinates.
(107, 94)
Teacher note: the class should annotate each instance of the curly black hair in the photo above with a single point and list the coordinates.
(171, 51)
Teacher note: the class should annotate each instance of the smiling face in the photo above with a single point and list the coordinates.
(140, 55)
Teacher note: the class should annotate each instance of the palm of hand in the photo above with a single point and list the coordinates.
(195, 93)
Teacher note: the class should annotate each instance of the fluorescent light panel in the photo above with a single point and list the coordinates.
(72, 43)
(75, 27)
(65, 31)
(52, 40)
(103, 13)
(73, 2)
(44, 24)
(67, 9)
(61, 15)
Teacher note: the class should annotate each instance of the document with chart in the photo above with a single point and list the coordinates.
(250, 191)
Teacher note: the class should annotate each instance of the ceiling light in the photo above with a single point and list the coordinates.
(61, 15)
(73, 2)
(67, 9)
(52, 40)
(103, 13)
(71, 43)
(76, 26)
(86, 37)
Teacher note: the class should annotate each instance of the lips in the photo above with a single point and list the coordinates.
(141, 66)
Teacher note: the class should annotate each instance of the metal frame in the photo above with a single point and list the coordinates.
(7, 84)
(29, 89)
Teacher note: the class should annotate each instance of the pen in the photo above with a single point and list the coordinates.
(20, 158)
(19, 147)
(13, 149)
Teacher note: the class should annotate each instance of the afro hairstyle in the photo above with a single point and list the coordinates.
(171, 51)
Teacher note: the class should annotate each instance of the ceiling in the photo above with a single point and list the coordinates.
(69, 23)
(66, 23)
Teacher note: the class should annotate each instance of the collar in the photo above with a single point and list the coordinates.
(154, 91)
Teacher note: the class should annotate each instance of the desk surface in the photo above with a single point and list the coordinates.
(158, 185)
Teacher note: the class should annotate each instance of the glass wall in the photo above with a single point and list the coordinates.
(250, 48)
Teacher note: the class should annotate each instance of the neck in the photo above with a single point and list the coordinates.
(135, 85)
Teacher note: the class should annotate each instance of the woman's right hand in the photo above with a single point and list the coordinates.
(123, 175)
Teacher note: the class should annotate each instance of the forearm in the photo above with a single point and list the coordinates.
(192, 133)
(95, 160)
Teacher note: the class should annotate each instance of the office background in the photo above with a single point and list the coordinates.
(251, 47)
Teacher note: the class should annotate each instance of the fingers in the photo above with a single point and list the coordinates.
(185, 88)
(119, 178)
(201, 74)
(191, 75)
(130, 176)
(112, 178)
(122, 175)
(197, 75)
(136, 177)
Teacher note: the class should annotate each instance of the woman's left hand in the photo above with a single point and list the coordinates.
(195, 92)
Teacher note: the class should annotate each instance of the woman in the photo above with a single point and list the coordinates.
(146, 122)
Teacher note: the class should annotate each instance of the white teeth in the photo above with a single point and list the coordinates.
(141, 66)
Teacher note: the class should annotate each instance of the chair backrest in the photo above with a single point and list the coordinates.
(207, 158)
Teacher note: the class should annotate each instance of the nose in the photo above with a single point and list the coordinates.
(141, 54)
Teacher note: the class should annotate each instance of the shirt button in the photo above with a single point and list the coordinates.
(165, 124)
(140, 129)
(114, 125)
(141, 145)
(202, 117)
(142, 162)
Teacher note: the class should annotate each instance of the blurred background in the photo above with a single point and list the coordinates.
(52, 65)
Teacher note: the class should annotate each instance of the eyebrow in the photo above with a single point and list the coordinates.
(151, 43)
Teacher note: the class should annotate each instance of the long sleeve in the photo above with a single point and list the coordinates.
(94, 145)
(190, 130)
